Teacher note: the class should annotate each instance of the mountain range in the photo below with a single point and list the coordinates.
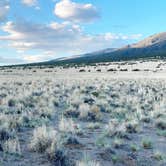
(151, 47)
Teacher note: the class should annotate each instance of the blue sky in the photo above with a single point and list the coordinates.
(39, 30)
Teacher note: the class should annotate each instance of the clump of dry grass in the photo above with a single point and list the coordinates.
(67, 125)
(87, 162)
(115, 128)
(43, 138)
(93, 126)
(89, 113)
(12, 146)
(45, 112)
(84, 109)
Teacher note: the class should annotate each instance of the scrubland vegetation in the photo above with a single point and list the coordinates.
(84, 119)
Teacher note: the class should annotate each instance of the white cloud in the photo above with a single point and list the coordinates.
(58, 39)
(4, 60)
(77, 12)
(29, 2)
(30, 58)
(4, 9)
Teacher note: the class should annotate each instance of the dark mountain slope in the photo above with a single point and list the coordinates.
(151, 47)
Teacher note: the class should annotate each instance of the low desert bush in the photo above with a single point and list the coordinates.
(132, 127)
(115, 158)
(147, 143)
(102, 141)
(158, 156)
(5, 133)
(161, 133)
(71, 113)
(134, 147)
(82, 70)
(46, 112)
(72, 141)
(11, 103)
(58, 157)
(161, 123)
(117, 143)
